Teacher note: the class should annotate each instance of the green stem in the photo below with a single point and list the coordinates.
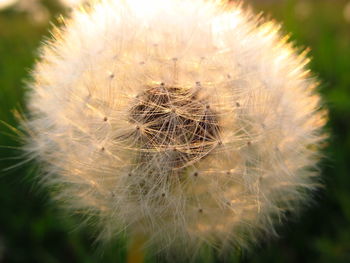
(136, 250)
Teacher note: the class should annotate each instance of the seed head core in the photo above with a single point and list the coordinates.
(177, 121)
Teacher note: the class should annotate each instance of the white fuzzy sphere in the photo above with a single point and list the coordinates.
(186, 122)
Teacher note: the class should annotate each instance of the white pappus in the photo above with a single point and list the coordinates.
(186, 122)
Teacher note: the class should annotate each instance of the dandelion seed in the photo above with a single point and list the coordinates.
(191, 156)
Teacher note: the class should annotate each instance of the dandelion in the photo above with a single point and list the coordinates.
(185, 122)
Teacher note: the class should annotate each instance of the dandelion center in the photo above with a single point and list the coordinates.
(176, 121)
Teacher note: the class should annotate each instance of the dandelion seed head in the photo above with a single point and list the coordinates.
(187, 122)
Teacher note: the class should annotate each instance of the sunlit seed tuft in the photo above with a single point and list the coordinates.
(189, 123)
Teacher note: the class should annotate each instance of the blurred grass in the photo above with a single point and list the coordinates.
(32, 230)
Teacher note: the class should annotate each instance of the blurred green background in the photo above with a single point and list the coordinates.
(34, 230)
